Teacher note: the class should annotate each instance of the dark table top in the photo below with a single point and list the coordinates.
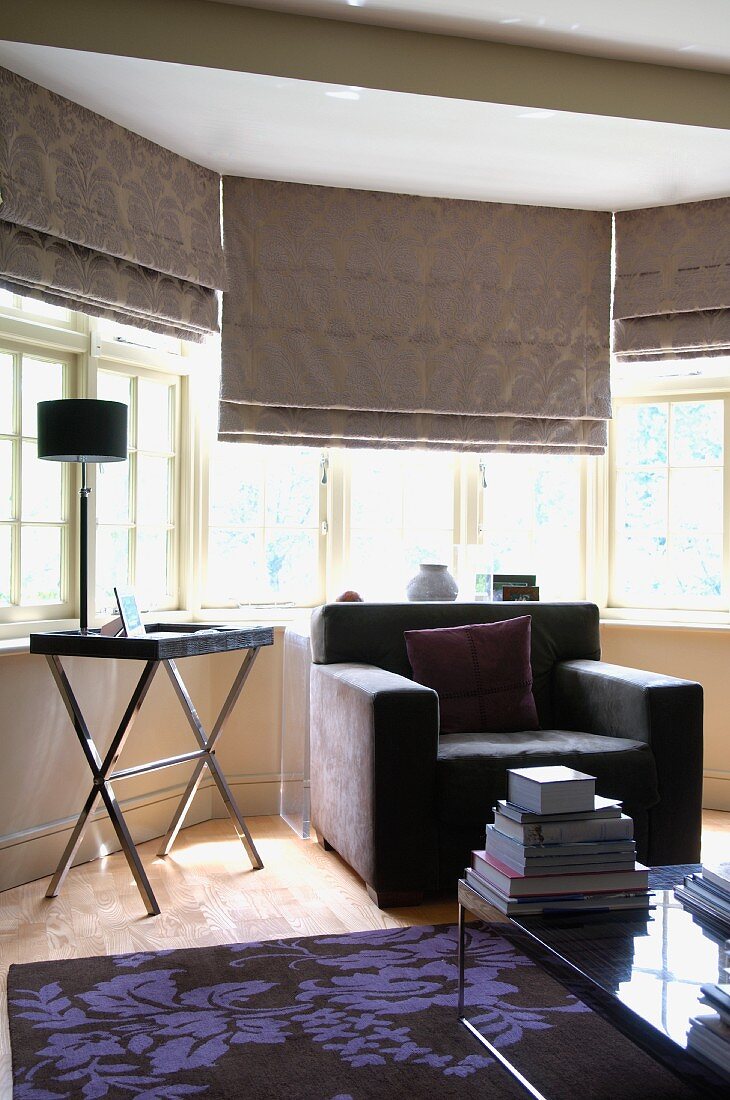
(164, 641)
(650, 965)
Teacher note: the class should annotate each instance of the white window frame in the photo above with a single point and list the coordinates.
(78, 342)
(645, 389)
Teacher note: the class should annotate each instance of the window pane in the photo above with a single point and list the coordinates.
(42, 381)
(375, 567)
(696, 562)
(420, 546)
(697, 433)
(5, 543)
(291, 565)
(6, 298)
(669, 503)
(111, 386)
(153, 416)
(429, 490)
(532, 520)
(112, 492)
(235, 565)
(263, 539)
(6, 479)
(401, 514)
(376, 490)
(40, 562)
(41, 486)
(151, 574)
(292, 487)
(642, 433)
(641, 566)
(696, 501)
(112, 564)
(153, 489)
(6, 393)
(236, 485)
(641, 501)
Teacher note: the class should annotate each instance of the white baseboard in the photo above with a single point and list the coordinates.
(31, 854)
(716, 790)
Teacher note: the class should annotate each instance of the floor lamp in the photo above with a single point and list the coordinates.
(82, 430)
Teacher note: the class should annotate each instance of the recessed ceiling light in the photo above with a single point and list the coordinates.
(510, 20)
(537, 114)
(343, 95)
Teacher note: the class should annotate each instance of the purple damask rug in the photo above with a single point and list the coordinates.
(354, 1017)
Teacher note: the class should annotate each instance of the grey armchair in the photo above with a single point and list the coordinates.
(404, 805)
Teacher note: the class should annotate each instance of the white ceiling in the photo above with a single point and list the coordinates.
(689, 33)
(303, 131)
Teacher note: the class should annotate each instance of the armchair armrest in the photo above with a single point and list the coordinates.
(662, 711)
(373, 748)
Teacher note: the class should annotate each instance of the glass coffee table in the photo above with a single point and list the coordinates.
(643, 972)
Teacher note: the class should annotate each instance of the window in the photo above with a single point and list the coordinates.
(401, 513)
(668, 503)
(33, 493)
(265, 525)
(533, 520)
(136, 500)
(192, 524)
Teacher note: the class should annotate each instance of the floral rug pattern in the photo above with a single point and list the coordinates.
(198, 1022)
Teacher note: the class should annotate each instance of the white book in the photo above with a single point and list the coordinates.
(551, 789)
(565, 831)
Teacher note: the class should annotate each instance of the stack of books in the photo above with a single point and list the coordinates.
(556, 846)
(707, 895)
(708, 1037)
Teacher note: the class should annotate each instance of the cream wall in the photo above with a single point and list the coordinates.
(44, 779)
(701, 654)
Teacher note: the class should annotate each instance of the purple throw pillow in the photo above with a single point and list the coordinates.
(481, 673)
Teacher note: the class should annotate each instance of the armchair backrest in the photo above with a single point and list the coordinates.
(372, 633)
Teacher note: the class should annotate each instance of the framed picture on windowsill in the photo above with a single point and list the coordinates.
(520, 593)
(511, 580)
(129, 613)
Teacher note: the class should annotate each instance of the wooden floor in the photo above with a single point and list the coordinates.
(208, 895)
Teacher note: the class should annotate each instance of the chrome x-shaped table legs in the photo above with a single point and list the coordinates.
(103, 773)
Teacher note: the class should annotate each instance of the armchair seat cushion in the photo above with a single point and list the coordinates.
(471, 768)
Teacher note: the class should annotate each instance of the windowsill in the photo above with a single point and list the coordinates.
(665, 624)
(9, 646)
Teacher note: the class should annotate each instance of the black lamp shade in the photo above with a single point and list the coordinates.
(82, 430)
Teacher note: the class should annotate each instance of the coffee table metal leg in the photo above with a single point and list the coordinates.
(130, 852)
(234, 813)
(74, 841)
(207, 744)
(504, 1062)
(183, 806)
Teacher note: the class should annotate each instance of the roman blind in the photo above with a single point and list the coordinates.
(96, 218)
(359, 318)
(672, 281)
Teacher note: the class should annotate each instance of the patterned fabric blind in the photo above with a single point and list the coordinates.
(672, 285)
(366, 319)
(97, 218)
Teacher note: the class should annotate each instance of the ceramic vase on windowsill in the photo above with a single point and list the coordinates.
(432, 582)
